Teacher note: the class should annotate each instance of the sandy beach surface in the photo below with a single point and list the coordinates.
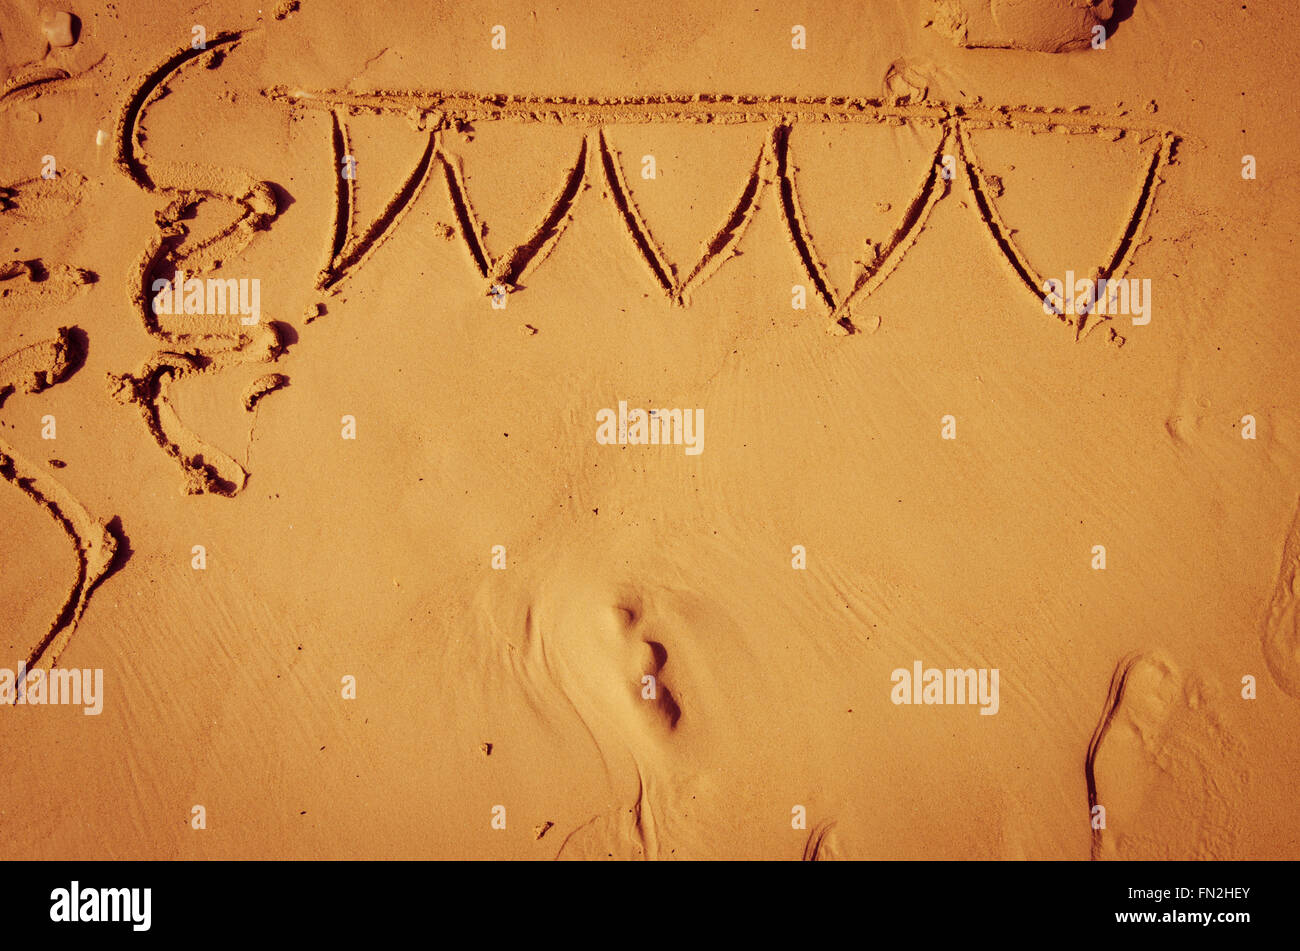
(676, 430)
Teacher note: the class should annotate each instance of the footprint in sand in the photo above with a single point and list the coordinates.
(1164, 767)
(823, 844)
(601, 651)
(602, 646)
(1281, 634)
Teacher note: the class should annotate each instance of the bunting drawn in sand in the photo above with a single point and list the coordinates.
(187, 187)
(435, 113)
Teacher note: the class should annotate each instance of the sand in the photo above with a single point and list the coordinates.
(900, 543)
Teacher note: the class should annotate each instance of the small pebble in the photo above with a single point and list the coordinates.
(57, 27)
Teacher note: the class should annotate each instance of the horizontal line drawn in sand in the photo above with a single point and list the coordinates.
(187, 187)
(1163, 766)
(1280, 635)
(446, 108)
(441, 111)
(31, 370)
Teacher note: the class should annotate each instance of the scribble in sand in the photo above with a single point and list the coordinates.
(205, 468)
(1163, 765)
(1280, 636)
(186, 187)
(436, 111)
(31, 370)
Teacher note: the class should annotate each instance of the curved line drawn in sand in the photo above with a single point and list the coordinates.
(41, 199)
(823, 844)
(453, 110)
(32, 284)
(36, 79)
(264, 385)
(1164, 767)
(187, 187)
(39, 366)
(1280, 636)
(32, 369)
